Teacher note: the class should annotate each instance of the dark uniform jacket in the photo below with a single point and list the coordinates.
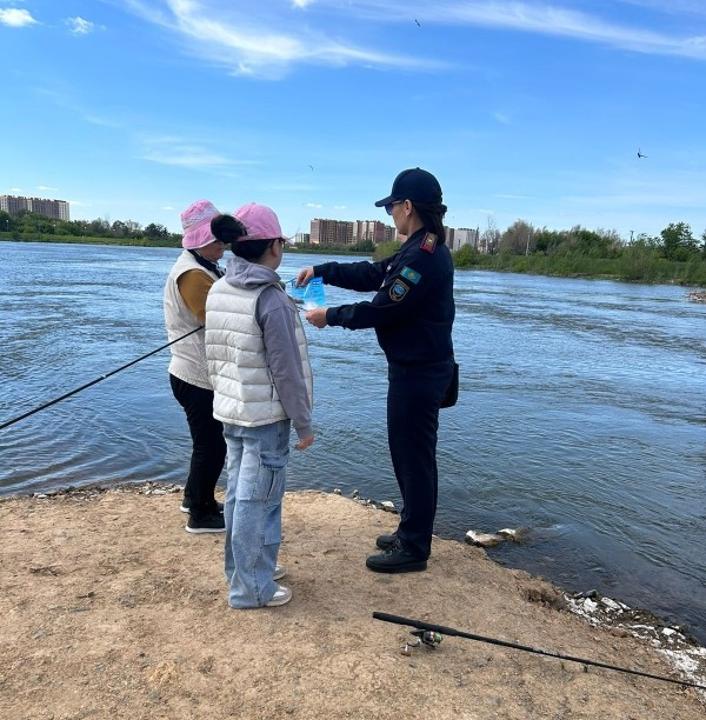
(413, 309)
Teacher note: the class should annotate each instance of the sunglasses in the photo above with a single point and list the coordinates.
(388, 207)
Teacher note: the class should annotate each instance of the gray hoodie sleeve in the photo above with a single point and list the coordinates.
(275, 315)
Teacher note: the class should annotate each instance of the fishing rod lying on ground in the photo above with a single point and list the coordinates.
(427, 631)
(94, 382)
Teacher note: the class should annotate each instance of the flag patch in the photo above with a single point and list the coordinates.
(412, 275)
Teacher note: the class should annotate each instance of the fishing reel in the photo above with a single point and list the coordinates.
(428, 638)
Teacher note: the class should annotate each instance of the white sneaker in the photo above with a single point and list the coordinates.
(281, 597)
(280, 572)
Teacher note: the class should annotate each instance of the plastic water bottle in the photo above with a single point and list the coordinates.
(296, 293)
(314, 294)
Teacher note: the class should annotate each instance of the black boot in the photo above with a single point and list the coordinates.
(396, 560)
(386, 542)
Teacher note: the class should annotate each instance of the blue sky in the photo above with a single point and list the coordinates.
(132, 109)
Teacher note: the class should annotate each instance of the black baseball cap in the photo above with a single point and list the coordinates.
(413, 184)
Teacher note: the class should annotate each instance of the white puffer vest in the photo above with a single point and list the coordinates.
(188, 361)
(244, 391)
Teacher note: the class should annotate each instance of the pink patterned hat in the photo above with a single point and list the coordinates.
(196, 223)
(260, 222)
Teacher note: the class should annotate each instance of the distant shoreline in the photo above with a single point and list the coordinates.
(585, 268)
(147, 242)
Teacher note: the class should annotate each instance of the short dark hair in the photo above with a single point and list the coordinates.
(230, 230)
(227, 229)
(251, 250)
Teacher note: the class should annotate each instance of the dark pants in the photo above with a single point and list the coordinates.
(413, 399)
(209, 447)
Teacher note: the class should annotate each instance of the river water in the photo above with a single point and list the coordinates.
(581, 415)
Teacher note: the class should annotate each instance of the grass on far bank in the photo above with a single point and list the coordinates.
(633, 264)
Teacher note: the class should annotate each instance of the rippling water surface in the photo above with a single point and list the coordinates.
(582, 411)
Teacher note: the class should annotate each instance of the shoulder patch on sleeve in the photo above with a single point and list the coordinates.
(409, 274)
(428, 243)
(398, 290)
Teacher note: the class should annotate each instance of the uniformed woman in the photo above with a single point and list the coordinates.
(412, 314)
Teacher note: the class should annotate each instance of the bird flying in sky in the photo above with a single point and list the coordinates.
(418, 23)
(639, 154)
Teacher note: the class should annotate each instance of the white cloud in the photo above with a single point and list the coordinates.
(318, 206)
(533, 17)
(182, 152)
(80, 26)
(47, 188)
(64, 100)
(188, 157)
(302, 3)
(257, 43)
(14, 17)
(167, 207)
(15, 190)
(502, 118)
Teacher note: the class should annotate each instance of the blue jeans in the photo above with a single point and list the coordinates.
(257, 467)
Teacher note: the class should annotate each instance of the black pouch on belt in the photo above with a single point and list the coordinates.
(452, 391)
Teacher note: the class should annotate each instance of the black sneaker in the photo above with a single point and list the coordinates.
(186, 506)
(209, 524)
(396, 560)
(386, 542)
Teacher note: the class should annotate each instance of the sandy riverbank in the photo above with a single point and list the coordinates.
(110, 610)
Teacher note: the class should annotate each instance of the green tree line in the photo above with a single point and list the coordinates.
(674, 255)
(30, 225)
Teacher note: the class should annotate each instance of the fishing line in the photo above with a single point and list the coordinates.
(93, 382)
(421, 625)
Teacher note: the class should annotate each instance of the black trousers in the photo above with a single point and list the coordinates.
(413, 399)
(209, 447)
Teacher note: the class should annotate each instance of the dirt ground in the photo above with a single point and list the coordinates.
(108, 609)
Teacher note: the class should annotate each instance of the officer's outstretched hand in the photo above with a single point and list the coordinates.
(304, 275)
(304, 443)
(317, 317)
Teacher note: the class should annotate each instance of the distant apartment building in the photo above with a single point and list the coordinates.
(302, 238)
(331, 232)
(54, 209)
(373, 231)
(464, 236)
(450, 234)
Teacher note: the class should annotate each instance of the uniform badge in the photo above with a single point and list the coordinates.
(429, 243)
(412, 275)
(398, 290)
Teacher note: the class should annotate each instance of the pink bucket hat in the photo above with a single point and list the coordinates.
(196, 223)
(260, 222)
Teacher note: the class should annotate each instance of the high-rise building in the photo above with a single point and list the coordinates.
(464, 236)
(331, 232)
(13, 205)
(372, 230)
(302, 238)
(54, 209)
(450, 234)
(390, 233)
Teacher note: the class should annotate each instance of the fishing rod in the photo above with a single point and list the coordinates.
(426, 627)
(94, 382)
